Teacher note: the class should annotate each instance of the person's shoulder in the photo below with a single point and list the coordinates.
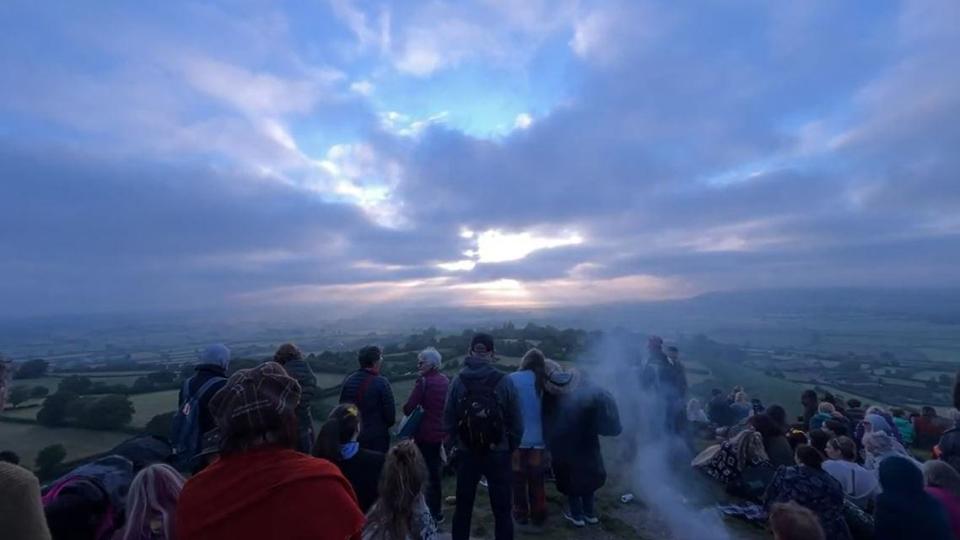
(16, 478)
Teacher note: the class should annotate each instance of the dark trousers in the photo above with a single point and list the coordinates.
(581, 505)
(377, 443)
(495, 467)
(431, 455)
(529, 493)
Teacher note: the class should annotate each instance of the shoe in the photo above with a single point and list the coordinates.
(577, 522)
(483, 482)
(439, 520)
(591, 520)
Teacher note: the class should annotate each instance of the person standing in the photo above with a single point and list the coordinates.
(667, 376)
(529, 461)
(430, 393)
(482, 415)
(371, 393)
(261, 487)
(290, 357)
(194, 419)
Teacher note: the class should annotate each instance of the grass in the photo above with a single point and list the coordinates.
(28, 439)
(149, 405)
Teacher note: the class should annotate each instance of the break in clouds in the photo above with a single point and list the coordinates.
(496, 153)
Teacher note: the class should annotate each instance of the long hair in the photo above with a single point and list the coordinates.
(339, 428)
(401, 487)
(152, 499)
(536, 362)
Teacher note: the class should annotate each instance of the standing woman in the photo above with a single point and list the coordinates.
(430, 393)
(290, 357)
(401, 512)
(529, 493)
(152, 504)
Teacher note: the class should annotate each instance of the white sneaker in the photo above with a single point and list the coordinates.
(590, 520)
(577, 522)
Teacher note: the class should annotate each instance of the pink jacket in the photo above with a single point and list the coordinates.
(430, 392)
(951, 503)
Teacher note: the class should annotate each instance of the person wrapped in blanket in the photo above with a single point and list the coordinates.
(741, 464)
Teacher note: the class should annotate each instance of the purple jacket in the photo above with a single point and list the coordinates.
(430, 392)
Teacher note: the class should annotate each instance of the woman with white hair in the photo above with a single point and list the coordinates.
(152, 504)
(430, 394)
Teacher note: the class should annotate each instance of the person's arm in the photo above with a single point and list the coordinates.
(388, 405)
(609, 420)
(308, 384)
(416, 396)
(449, 409)
(512, 415)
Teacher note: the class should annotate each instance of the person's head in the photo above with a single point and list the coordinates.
(694, 405)
(741, 397)
(842, 448)
(152, 499)
(791, 521)
(809, 399)
(765, 425)
(826, 407)
(370, 357)
(481, 345)
(560, 381)
(898, 413)
(716, 392)
(854, 403)
(779, 415)
(673, 353)
(928, 411)
(796, 437)
(77, 511)
(877, 410)
(217, 355)
(341, 427)
(819, 438)
(900, 477)
(286, 353)
(809, 456)
(428, 360)
(256, 407)
(836, 426)
(878, 443)
(535, 361)
(655, 344)
(940, 474)
(9, 456)
(402, 482)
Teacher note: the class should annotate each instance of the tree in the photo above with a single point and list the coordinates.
(39, 392)
(50, 457)
(32, 369)
(162, 377)
(143, 385)
(55, 408)
(18, 394)
(161, 424)
(75, 384)
(107, 412)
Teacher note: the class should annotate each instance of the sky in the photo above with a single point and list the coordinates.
(487, 153)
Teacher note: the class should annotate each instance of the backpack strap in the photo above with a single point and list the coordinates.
(207, 385)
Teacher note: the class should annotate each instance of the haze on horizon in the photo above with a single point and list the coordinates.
(497, 153)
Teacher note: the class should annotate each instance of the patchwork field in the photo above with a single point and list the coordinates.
(28, 439)
(149, 405)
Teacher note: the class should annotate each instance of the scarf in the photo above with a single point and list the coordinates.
(347, 451)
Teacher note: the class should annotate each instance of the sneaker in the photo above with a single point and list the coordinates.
(439, 520)
(591, 520)
(577, 522)
(483, 482)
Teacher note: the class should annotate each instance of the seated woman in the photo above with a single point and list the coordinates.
(152, 504)
(337, 443)
(810, 486)
(775, 443)
(738, 461)
(878, 446)
(401, 512)
(824, 413)
(943, 482)
(859, 485)
(904, 510)
(741, 407)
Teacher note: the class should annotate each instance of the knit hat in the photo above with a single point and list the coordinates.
(255, 400)
(215, 355)
(481, 343)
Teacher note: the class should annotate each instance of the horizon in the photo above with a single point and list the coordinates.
(361, 157)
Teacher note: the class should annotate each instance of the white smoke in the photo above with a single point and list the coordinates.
(659, 469)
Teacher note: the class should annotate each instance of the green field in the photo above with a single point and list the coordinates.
(28, 439)
(149, 405)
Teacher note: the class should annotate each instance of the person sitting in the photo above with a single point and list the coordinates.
(811, 404)
(904, 510)
(401, 512)
(775, 443)
(878, 446)
(928, 428)
(261, 487)
(152, 504)
(718, 410)
(818, 439)
(904, 426)
(790, 521)
(943, 482)
(876, 419)
(779, 416)
(741, 408)
(21, 512)
(854, 411)
(809, 485)
(859, 485)
(695, 414)
(337, 443)
(825, 412)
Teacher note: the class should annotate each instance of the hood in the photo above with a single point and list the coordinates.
(900, 475)
(477, 367)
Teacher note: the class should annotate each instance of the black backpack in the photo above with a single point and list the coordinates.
(479, 420)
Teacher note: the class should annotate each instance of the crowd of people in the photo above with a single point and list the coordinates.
(246, 462)
(840, 471)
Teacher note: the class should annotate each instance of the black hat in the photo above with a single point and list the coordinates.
(481, 343)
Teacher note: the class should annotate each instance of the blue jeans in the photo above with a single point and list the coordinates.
(496, 468)
(581, 505)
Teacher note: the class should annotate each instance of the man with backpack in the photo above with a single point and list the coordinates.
(482, 414)
(193, 418)
(372, 394)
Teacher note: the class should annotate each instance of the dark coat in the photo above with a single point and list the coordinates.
(719, 412)
(363, 472)
(904, 510)
(475, 369)
(779, 451)
(573, 424)
(202, 374)
(300, 370)
(378, 411)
